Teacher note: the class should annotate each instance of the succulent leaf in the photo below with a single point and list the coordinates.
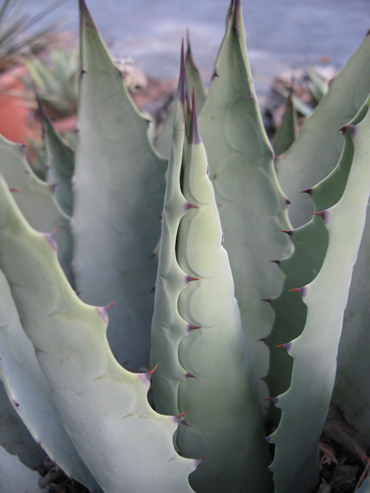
(198, 340)
(30, 394)
(223, 418)
(163, 133)
(61, 163)
(195, 82)
(286, 133)
(119, 184)
(315, 350)
(104, 407)
(316, 150)
(168, 328)
(36, 200)
(310, 244)
(252, 207)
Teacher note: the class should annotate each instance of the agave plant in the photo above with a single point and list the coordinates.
(233, 280)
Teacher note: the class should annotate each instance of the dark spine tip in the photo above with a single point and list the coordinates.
(272, 152)
(267, 300)
(274, 400)
(323, 214)
(301, 291)
(287, 345)
(343, 129)
(215, 74)
(182, 89)
(13, 190)
(268, 439)
(190, 279)
(179, 419)
(189, 375)
(368, 33)
(152, 371)
(146, 377)
(152, 289)
(287, 232)
(198, 461)
(190, 328)
(287, 201)
(231, 8)
(277, 262)
(188, 46)
(194, 135)
(309, 191)
(109, 306)
(188, 206)
(236, 11)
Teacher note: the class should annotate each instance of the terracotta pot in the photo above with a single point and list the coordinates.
(15, 116)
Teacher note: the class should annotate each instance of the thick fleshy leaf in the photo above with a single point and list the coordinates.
(251, 205)
(198, 341)
(61, 163)
(168, 327)
(310, 244)
(316, 150)
(119, 184)
(315, 350)
(31, 396)
(104, 408)
(286, 133)
(163, 133)
(36, 200)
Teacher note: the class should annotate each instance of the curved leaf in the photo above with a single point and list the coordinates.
(119, 183)
(31, 396)
(104, 408)
(251, 205)
(316, 150)
(315, 350)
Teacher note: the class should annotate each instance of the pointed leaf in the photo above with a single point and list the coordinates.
(315, 350)
(61, 163)
(316, 150)
(104, 408)
(30, 394)
(119, 184)
(286, 133)
(252, 207)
